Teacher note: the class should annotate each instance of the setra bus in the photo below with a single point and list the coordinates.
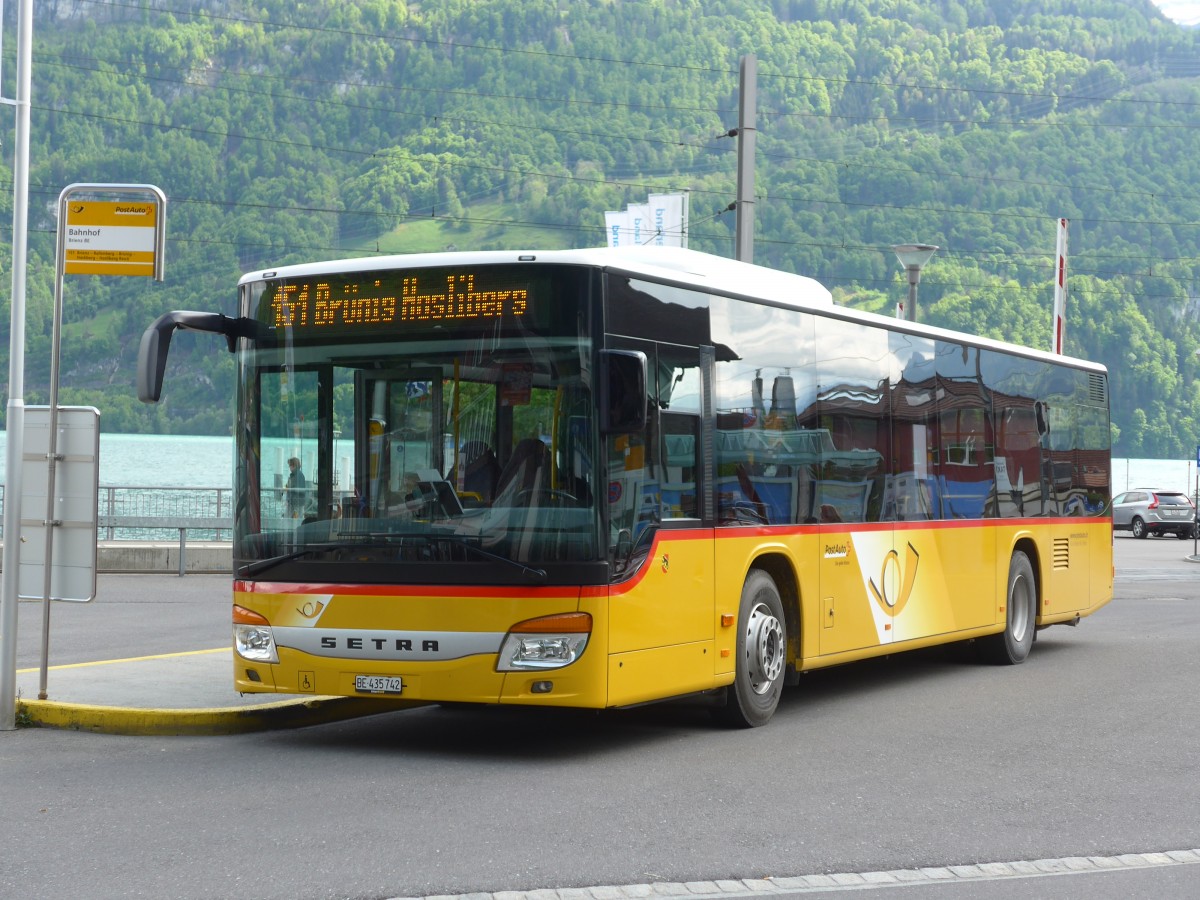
(597, 478)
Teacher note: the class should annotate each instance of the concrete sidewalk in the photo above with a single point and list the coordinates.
(169, 557)
(151, 655)
(186, 693)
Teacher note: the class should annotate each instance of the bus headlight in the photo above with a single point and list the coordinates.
(252, 636)
(550, 642)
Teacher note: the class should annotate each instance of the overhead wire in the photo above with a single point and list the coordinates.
(641, 184)
(644, 185)
(616, 61)
(639, 139)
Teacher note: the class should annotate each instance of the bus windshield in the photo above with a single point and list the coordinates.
(442, 420)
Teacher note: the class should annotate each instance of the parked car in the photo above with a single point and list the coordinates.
(1146, 511)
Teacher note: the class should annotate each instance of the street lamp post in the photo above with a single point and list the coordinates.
(913, 257)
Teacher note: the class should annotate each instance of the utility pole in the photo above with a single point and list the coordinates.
(747, 101)
(15, 423)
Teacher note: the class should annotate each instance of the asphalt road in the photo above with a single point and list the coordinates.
(132, 615)
(921, 759)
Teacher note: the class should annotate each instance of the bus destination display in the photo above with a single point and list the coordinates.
(425, 298)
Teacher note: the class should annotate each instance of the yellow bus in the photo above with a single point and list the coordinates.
(598, 478)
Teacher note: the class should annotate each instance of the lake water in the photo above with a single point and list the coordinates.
(1166, 474)
(155, 460)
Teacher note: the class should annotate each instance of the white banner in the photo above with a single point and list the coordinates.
(668, 215)
(616, 228)
(662, 222)
(641, 231)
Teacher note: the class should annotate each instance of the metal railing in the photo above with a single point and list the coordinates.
(149, 514)
(145, 513)
(155, 513)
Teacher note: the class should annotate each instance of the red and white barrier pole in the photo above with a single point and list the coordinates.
(1058, 338)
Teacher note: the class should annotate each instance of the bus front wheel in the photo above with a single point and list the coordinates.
(761, 655)
(1012, 645)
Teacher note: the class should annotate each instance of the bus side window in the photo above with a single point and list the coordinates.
(678, 456)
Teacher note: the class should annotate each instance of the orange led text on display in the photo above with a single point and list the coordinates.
(317, 304)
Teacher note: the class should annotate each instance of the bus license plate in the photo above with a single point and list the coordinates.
(378, 684)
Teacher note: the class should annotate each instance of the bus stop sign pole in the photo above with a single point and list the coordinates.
(97, 235)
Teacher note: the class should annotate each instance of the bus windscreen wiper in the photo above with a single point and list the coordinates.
(386, 538)
(251, 569)
(536, 574)
(254, 568)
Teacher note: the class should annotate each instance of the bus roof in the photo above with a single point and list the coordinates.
(685, 266)
(704, 271)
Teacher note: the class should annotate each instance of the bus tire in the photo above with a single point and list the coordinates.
(1011, 646)
(761, 655)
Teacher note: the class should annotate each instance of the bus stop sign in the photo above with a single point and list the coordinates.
(76, 488)
(112, 237)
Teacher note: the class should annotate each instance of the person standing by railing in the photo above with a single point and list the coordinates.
(296, 489)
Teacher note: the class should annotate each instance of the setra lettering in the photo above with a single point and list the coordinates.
(330, 642)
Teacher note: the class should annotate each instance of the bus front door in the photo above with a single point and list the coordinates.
(400, 413)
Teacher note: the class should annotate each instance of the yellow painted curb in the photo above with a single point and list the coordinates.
(208, 721)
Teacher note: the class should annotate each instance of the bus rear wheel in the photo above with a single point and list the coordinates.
(1011, 646)
(761, 655)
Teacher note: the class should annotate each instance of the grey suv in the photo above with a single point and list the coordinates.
(1146, 512)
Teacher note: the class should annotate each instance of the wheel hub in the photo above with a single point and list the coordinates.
(765, 648)
(1020, 603)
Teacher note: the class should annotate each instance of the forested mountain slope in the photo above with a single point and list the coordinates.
(286, 131)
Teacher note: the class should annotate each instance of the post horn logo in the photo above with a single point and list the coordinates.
(889, 575)
(310, 610)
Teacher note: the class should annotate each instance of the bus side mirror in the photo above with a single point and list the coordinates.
(152, 359)
(622, 391)
(156, 341)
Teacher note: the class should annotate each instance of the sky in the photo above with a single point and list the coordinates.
(1186, 12)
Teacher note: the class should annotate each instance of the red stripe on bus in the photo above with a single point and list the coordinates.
(662, 537)
(406, 590)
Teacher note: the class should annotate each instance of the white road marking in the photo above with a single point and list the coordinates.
(844, 881)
